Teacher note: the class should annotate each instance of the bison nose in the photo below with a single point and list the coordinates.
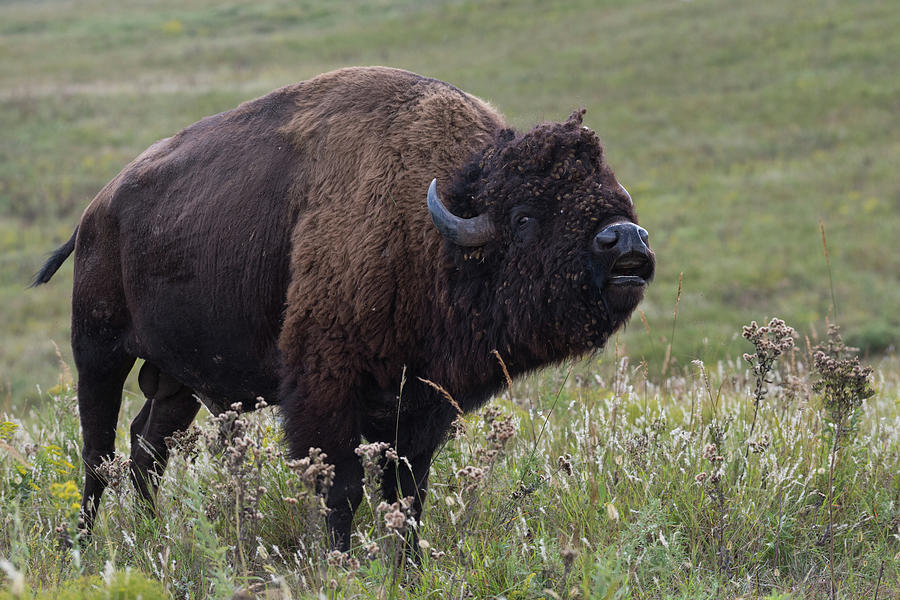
(624, 247)
(626, 237)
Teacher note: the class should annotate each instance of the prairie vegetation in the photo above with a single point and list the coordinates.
(749, 134)
(589, 481)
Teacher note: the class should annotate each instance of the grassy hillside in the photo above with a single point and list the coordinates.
(738, 128)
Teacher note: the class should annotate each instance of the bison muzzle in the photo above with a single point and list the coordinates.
(313, 245)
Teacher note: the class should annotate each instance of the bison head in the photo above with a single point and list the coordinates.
(548, 256)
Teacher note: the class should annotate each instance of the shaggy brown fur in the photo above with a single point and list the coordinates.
(284, 249)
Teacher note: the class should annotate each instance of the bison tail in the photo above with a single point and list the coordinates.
(55, 261)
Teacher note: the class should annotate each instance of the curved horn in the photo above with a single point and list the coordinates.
(476, 231)
(627, 195)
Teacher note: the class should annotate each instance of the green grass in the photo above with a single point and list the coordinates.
(648, 510)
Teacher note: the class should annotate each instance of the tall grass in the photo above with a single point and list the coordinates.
(739, 496)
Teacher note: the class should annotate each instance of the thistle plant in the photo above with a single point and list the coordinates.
(843, 385)
(770, 341)
(239, 493)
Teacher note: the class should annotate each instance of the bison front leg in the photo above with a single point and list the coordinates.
(417, 436)
(343, 499)
(318, 413)
(409, 479)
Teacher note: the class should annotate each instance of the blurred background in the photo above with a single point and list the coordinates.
(743, 130)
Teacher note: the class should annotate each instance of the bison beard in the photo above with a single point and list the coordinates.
(285, 249)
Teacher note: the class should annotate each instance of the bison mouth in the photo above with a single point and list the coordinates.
(624, 285)
(633, 270)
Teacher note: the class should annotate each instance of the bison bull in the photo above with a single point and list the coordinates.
(292, 248)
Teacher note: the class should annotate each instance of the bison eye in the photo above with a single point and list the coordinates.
(520, 219)
(524, 226)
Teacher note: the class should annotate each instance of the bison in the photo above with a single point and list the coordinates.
(318, 244)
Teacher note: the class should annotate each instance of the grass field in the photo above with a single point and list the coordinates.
(585, 483)
(744, 130)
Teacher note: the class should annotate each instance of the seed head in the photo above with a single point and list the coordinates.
(564, 463)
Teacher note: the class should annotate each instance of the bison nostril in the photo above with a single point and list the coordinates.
(644, 235)
(606, 239)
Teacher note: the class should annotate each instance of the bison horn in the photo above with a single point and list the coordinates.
(627, 195)
(476, 231)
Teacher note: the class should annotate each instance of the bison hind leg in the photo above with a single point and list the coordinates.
(170, 407)
(100, 384)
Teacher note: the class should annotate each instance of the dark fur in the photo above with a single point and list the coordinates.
(284, 249)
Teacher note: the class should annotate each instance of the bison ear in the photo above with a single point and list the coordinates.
(476, 231)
